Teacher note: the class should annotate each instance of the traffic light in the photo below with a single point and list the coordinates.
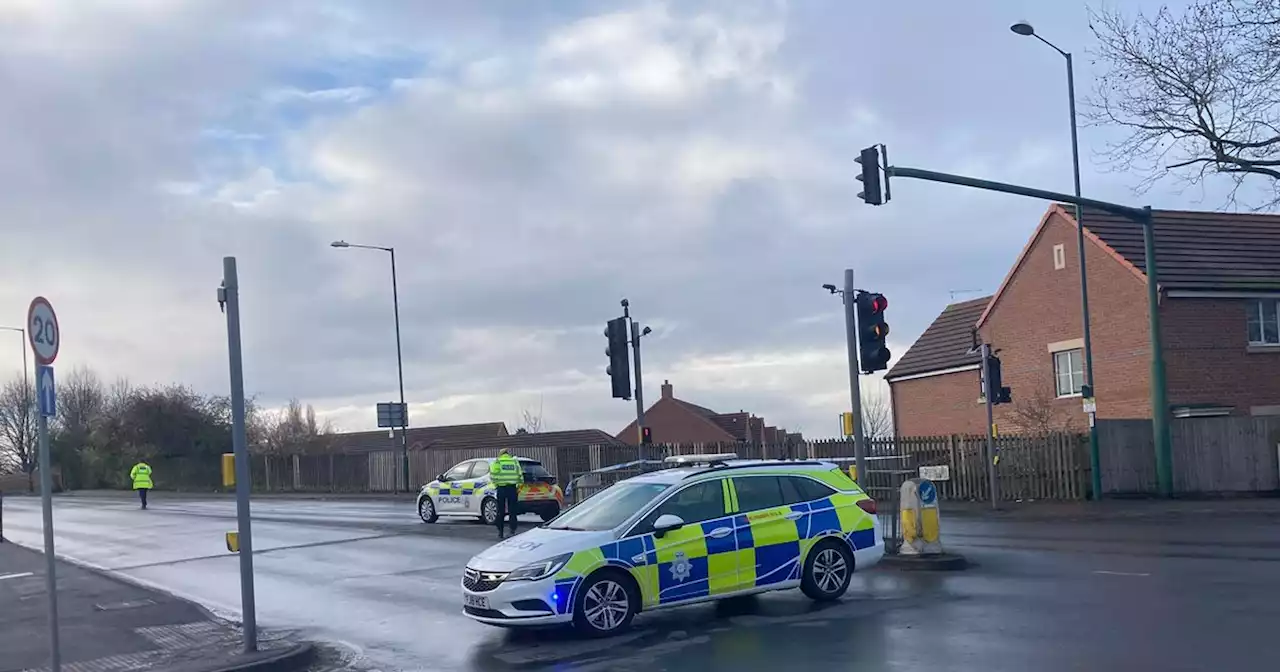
(646, 435)
(999, 393)
(871, 192)
(619, 364)
(873, 353)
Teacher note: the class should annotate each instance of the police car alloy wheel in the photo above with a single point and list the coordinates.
(827, 571)
(489, 511)
(427, 510)
(605, 605)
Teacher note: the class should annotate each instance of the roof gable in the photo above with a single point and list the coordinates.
(947, 342)
(1067, 214)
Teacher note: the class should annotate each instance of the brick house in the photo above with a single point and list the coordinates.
(1219, 289)
(672, 420)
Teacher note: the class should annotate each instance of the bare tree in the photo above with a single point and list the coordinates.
(18, 449)
(529, 422)
(292, 429)
(1197, 93)
(1036, 413)
(877, 416)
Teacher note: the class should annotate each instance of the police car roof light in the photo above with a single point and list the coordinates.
(699, 460)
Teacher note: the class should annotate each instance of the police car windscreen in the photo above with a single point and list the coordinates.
(609, 508)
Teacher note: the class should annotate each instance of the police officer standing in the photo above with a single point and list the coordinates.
(506, 476)
(140, 474)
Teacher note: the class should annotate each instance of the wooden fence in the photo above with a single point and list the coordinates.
(1053, 466)
(1210, 455)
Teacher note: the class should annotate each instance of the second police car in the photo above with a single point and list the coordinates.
(716, 528)
(464, 490)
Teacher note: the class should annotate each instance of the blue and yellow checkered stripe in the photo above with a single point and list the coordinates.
(455, 488)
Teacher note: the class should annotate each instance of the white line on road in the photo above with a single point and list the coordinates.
(1103, 571)
(15, 576)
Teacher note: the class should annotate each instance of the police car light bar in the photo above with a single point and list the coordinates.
(700, 460)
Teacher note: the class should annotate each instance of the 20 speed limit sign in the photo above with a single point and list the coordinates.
(43, 331)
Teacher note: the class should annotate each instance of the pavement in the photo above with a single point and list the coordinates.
(1052, 587)
(108, 624)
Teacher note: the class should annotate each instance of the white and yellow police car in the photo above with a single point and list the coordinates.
(465, 490)
(708, 528)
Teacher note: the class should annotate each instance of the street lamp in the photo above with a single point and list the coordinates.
(849, 295)
(26, 385)
(395, 301)
(1025, 29)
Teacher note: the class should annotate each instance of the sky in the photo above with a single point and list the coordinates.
(532, 164)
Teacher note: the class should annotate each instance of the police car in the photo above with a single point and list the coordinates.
(464, 490)
(706, 528)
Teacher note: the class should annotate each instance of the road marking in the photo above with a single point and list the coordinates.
(1103, 571)
(15, 576)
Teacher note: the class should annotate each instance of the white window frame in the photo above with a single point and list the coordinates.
(1074, 374)
(1254, 312)
(1059, 257)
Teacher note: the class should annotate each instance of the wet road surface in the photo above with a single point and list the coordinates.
(1190, 589)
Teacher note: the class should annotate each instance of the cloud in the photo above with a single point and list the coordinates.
(530, 164)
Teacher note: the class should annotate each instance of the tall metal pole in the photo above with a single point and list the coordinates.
(987, 394)
(635, 347)
(1159, 393)
(46, 506)
(850, 296)
(1095, 455)
(404, 416)
(239, 444)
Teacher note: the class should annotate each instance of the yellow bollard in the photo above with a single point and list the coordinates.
(233, 542)
(228, 469)
(921, 523)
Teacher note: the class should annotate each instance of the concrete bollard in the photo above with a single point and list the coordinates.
(921, 523)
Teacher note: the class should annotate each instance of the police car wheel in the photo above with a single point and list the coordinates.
(489, 511)
(605, 604)
(827, 571)
(427, 510)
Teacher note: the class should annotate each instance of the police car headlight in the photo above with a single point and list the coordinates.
(539, 570)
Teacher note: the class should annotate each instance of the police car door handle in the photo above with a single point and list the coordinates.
(794, 515)
(720, 532)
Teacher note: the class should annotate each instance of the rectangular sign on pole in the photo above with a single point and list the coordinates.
(46, 393)
(392, 414)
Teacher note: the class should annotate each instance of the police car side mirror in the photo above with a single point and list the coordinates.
(439, 477)
(665, 523)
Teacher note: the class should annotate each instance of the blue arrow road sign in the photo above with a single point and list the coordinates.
(46, 394)
(928, 493)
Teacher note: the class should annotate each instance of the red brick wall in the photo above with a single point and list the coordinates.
(671, 423)
(1208, 359)
(946, 404)
(1041, 305)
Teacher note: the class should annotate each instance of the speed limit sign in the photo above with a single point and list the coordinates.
(43, 331)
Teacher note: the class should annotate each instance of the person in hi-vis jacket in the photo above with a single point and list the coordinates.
(140, 474)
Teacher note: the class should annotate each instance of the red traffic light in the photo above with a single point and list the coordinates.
(879, 303)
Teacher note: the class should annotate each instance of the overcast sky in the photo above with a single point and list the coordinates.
(532, 164)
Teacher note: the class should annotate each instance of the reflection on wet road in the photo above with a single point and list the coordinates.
(1190, 590)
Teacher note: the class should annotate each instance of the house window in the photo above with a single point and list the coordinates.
(1264, 329)
(1068, 371)
(1059, 257)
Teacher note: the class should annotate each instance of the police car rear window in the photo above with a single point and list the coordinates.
(535, 470)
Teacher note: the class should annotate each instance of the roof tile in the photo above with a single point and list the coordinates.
(946, 343)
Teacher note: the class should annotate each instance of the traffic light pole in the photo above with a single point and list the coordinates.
(850, 296)
(1142, 216)
(635, 347)
(988, 395)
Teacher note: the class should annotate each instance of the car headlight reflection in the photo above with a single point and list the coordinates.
(539, 570)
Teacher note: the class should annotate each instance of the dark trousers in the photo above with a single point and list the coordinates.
(142, 495)
(508, 497)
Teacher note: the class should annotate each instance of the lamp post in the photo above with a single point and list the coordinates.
(25, 381)
(1095, 468)
(849, 295)
(395, 301)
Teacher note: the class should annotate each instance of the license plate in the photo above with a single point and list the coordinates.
(477, 601)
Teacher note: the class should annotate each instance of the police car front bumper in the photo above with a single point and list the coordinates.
(489, 598)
